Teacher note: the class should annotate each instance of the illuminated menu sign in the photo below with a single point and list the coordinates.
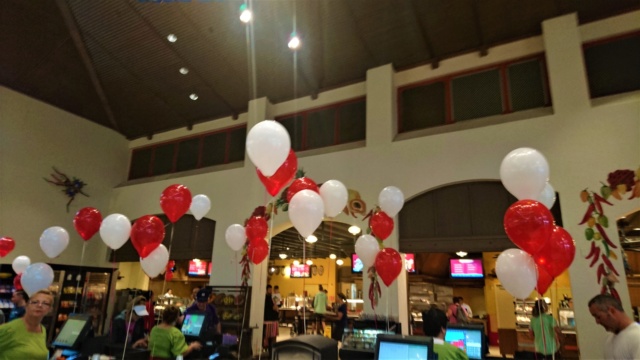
(198, 268)
(409, 263)
(466, 268)
(300, 271)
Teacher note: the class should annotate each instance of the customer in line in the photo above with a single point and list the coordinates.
(434, 324)
(545, 331)
(26, 337)
(271, 315)
(624, 342)
(129, 325)
(341, 319)
(19, 299)
(166, 341)
(319, 309)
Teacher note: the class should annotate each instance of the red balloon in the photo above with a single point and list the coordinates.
(256, 228)
(299, 184)
(16, 282)
(544, 280)
(282, 176)
(529, 225)
(168, 276)
(381, 225)
(388, 265)
(6, 245)
(175, 201)
(257, 250)
(87, 222)
(147, 234)
(557, 255)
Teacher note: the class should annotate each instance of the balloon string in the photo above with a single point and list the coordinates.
(164, 280)
(387, 301)
(75, 300)
(126, 338)
(304, 297)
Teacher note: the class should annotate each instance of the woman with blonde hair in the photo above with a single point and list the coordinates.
(26, 337)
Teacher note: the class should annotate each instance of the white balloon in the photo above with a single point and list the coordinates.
(35, 277)
(517, 272)
(115, 230)
(305, 211)
(235, 236)
(268, 146)
(334, 195)
(200, 206)
(54, 240)
(20, 263)
(524, 173)
(155, 262)
(367, 248)
(548, 196)
(391, 200)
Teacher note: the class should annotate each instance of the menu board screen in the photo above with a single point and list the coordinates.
(300, 271)
(466, 268)
(198, 268)
(409, 263)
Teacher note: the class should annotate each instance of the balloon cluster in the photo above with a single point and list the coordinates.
(546, 250)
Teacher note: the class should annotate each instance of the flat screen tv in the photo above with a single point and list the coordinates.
(410, 263)
(300, 271)
(394, 347)
(210, 266)
(356, 264)
(470, 338)
(198, 268)
(73, 332)
(192, 325)
(466, 268)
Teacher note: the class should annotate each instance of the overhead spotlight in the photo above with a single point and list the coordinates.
(245, 14)
(193, 96)
(183, 71)
(294, 41)
(332, 256)
(461, 253)
(272, 270)
(296, 262)
(172, 38)
(311, 239)
(309, 262)
(339, 262)
(283, 256)
(354, 230)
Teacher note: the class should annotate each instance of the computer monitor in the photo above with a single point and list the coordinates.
(73, 332)
(193, 325)
(470, 338)
(393, 347)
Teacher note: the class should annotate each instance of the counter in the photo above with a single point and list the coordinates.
(569, 343)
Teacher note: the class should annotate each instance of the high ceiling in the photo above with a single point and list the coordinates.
(110, 61)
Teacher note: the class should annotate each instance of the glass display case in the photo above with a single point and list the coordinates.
(566, 319)
(361, 339)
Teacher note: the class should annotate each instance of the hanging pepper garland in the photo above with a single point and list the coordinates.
(260, 211)
(374, 287)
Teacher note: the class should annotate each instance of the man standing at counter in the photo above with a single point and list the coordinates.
(319, 309)
(624, 343)
(201, 306)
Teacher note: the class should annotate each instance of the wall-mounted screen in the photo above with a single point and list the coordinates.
(198, 268)
(466, 268)
(300, 271)
(210, 266)
(410, 263)
(356, 264)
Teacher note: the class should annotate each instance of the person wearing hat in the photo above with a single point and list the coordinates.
(129, 325)
(202, 306)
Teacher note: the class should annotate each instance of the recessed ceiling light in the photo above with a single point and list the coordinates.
(283, 256)
(339, 262)
(245, 14)
(309, 262)
(294, 41)
(193, 96)
(461, 253)
(354, 230)
(332, 256)
(184, 71)
(172, 38)
(296, 262)
(311, 239)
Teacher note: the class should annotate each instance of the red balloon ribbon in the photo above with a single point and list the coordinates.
(175, 201)
(529, 225)
(557, 255)
(388, 265)
(303, 183)
(147, 234)
(381, 225)
(6, 245)
(544, 280)
(257, 250)
(87, 222)
(282, 176)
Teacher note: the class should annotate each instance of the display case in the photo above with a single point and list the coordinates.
(421, 298)
(233, 304)
(523, 310)
(6, 290)
(95, 298)
(50, 321)
(361, 339)
(566, 319)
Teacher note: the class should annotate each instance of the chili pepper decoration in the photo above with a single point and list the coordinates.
(595, 253)
(601, 199)
(588, 214)
(609, 264)
(601, 272)
(605, 236)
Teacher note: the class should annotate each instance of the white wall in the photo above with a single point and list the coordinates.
(35, 136)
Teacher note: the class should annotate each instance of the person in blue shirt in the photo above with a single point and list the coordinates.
(201, 306)
(342, 319)
(19, 300)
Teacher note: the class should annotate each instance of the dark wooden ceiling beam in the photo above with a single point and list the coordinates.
(424, 34)
(484, 49)
(86, 60)
(358, 32)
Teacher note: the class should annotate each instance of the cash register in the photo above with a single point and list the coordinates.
(73, 334)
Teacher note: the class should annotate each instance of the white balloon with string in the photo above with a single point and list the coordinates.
(200, 206)
(156, 262)
(391, 200)
(334, 195)
(524, 173)
(306, 210)
(268, 144)
(367, 248)
(547, 196)
(20, 263)
(35, 277)
(235, 236)
(54, 241)
(115, 230)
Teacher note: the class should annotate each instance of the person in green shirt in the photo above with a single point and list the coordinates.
(166, 341)
(319, 309)
(434, 324)
(545, 331)
(25, 337)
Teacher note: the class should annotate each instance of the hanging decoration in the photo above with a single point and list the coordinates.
(72, 187)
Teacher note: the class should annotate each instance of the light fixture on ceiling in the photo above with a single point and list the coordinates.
(272, 270)
(294, 41)
(332, 256)
(354, 230)
(309, 262)
(296, 262)
(245, 14)
(461, 253)
(339, 262)
(183, 70)
(283, 256)
(193, 96)
(172, 38)
(311, 239)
